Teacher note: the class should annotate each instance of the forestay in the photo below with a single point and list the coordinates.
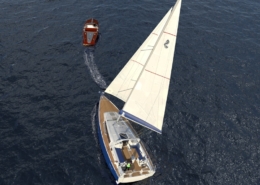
(144, 82)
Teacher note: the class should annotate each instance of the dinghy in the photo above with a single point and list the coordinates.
(143, 87)
(90, 32)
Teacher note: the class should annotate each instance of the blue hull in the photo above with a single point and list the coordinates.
(102, 144)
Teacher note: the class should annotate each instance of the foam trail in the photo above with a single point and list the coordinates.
(94, 132)
(90, 62)
(93, 123)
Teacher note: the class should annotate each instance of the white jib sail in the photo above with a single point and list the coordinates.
(123, 84)
(147, 101)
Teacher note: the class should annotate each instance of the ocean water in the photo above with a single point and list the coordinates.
(49, 86)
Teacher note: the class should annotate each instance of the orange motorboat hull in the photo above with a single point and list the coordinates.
(90, 32)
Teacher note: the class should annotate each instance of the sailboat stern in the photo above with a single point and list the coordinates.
(121, 145)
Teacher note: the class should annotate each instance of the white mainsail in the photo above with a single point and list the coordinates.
(123, 84)
(144, 82)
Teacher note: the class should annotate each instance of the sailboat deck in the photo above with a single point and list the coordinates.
(135, 169)
(106, 106)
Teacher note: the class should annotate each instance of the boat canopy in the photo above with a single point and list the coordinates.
(118, 130)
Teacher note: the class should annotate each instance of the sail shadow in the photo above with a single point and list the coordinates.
(90, 63)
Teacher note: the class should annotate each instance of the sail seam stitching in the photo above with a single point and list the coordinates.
(170, 34)
(138, 62)
(157, 74)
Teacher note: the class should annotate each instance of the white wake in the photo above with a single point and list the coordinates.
(90, 62)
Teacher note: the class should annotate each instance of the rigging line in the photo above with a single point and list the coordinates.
(142, 131)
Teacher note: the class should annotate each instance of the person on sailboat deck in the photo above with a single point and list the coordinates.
(128, 166)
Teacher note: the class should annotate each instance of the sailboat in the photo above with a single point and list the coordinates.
(143, 86)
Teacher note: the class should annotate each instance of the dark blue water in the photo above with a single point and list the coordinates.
(49, 86)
